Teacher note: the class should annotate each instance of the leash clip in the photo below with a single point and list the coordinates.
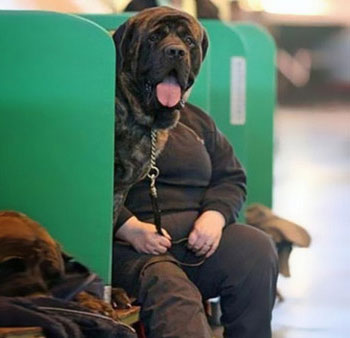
(152, 175)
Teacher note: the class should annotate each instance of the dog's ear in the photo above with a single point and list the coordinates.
(122, 38)
(205, 44)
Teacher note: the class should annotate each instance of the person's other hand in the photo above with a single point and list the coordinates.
(144, 237)
(206, 234)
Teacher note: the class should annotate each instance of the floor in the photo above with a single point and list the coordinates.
(312, 188)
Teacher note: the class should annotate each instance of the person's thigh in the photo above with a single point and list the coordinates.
(243, 272)
(166, 294)
(128, 263)
(242, 248)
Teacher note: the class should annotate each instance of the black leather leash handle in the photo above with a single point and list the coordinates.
(156, 213)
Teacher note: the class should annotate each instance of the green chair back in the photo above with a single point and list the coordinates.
(56, 129)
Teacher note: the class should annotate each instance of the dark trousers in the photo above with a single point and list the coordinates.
(243, 272)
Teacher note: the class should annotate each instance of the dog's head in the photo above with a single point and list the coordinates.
(159, 54)
(30, 260)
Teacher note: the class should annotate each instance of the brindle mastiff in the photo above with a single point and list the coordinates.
(159, 54)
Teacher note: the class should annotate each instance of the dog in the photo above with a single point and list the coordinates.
(159, 53)
(30, 260)
(32, 264)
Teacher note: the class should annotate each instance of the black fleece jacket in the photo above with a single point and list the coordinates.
(198, 172)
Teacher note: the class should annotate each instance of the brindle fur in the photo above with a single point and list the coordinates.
(142, 62)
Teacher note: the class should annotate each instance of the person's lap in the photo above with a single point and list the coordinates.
(128, 264)
(240, 248)
(242, 271)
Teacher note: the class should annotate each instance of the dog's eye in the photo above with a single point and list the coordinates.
(153, 37)
(190, 41)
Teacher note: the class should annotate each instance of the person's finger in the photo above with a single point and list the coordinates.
(166, 234)
(155, 252)
(160, 243)
(163, 241)
(154, 248)
(162, 249)
(204, 249)
(192, 238)
(212, 249)
(148, 248)
(202, 240)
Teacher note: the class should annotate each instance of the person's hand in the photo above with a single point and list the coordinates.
(206, 234)
(144, 237)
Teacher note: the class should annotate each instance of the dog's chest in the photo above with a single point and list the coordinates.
(133, 156)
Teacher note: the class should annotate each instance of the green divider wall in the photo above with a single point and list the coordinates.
(242, 98)
(56, 129)
(200, 92)
(225, 48)
(109, 22)
(260, 106)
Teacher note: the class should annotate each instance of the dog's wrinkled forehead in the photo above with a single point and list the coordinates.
(152, 18)
(129, 37)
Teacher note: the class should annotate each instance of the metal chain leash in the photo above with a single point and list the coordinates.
(153, 173)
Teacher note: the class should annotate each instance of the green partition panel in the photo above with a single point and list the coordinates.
(57, 129)
(260, 106)
(200, 91)
(227, 56)
(109, 22)
(242, 95)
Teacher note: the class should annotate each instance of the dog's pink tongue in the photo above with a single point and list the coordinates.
(168, 92)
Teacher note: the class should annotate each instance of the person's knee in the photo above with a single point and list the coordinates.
(162, 268)
(251, 262)
(166, 277)
(251, 246)
(265, 249)
(168, 298)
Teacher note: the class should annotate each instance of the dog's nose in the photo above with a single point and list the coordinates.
(175, 52)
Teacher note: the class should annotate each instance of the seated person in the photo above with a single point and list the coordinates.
(203, 252)
(201, 188)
